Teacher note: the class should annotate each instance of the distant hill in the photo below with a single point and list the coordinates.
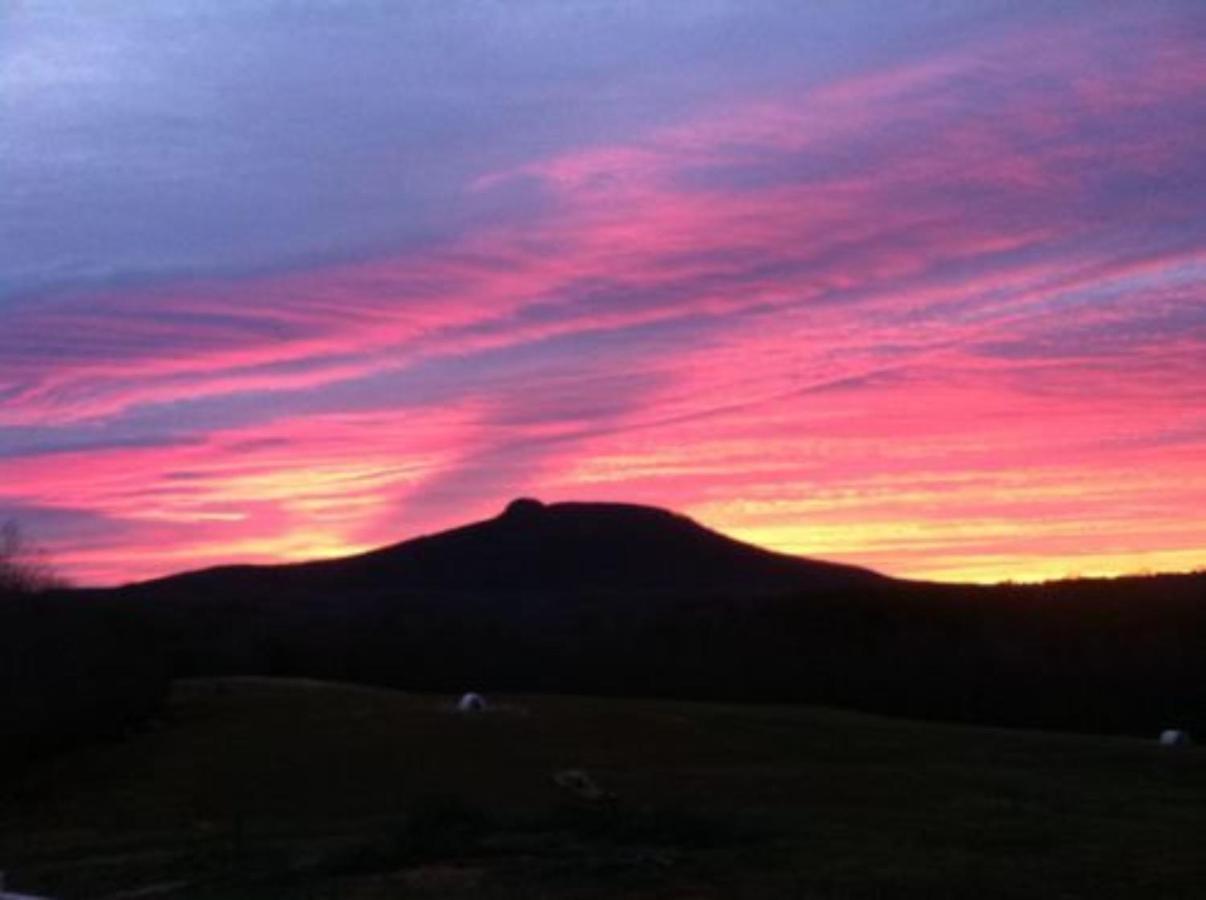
(532, 546)
(618, 599)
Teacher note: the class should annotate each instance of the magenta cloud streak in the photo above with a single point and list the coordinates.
(944, 316)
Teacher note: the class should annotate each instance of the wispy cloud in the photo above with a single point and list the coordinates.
(939, 312)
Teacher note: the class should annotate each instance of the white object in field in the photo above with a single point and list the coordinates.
(1173, 737)
(471, 703)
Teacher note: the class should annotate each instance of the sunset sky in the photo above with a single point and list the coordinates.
(918, 286)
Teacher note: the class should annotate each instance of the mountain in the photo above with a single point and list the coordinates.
(532, 546)
(619, 599)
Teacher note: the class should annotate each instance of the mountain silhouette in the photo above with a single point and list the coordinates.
(611, 598)
(534, 546)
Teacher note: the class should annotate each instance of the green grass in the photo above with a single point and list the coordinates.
(288, 789)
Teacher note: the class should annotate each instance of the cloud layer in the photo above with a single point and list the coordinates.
(919, 291)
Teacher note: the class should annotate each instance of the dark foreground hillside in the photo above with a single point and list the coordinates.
(621, 600)
(274, 790)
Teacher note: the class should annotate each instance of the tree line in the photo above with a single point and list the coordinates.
(70, 671)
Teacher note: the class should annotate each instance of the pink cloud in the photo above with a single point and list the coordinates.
(881, 276)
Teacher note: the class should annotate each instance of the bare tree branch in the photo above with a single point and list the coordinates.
(23, 569)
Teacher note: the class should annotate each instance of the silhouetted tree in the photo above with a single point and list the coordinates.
(23, 570)
(70, 671)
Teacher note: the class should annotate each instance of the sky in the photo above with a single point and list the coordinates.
(919, 286)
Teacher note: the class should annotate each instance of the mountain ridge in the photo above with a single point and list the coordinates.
(532, 545)
(619, 599)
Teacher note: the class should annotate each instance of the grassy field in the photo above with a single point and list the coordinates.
(288, 789)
